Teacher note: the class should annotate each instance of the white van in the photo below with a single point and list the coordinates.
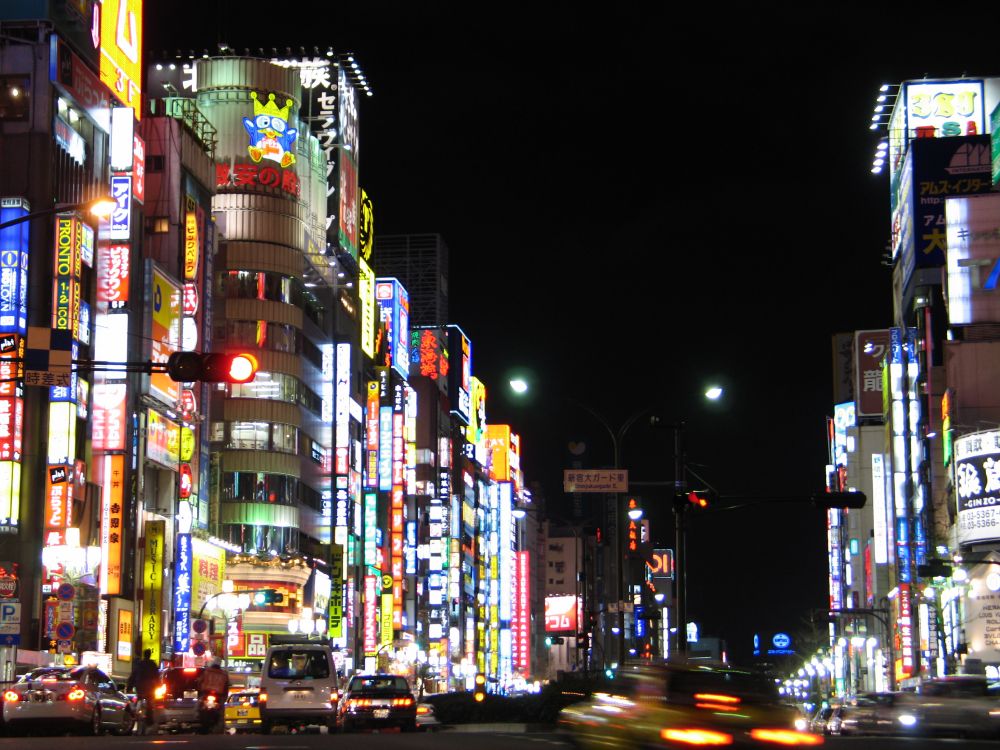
(299, 684)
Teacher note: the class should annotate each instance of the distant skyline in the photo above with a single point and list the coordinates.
(635, 205)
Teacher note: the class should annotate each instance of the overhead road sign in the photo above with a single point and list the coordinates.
(595, 480)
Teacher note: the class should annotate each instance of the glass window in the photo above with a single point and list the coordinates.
(250, 436)
(15, 97)
(258, 487)
(298, 664)
(285, 438)
(267, 385)
(378, 684)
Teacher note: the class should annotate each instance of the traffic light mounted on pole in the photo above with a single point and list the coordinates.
(211, 367)
(480, 693)
(268, 596)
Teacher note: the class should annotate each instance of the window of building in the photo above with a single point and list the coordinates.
(154, 162)
(15, 98)
(250, 436)
(159, 225)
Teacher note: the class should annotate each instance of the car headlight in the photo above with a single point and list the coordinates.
(907, 720)
(801, 724)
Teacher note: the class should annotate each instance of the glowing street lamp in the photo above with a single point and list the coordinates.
(100, 208)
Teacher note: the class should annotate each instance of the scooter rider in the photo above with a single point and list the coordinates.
(213, 691)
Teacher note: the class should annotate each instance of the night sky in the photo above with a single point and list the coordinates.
(636, 205)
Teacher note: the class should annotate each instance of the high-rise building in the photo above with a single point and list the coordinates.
(420, 262)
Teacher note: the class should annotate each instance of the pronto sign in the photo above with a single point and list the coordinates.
(595, 480)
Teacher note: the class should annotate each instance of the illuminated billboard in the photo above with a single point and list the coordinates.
(973, 259)
(112, 521)
(934, 109)
(560, 614)
(165, 333)
(121, 51)
(977, 489)
(366, 296)
(460, 380)
(14, 267)
(152, 587)
(870, 348)
(394, 305)
(347, 109)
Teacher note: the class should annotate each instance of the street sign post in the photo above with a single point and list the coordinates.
(595, 480)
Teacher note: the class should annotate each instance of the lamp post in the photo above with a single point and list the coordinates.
(98, 207)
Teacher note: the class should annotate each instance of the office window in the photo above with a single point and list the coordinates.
(15, 97)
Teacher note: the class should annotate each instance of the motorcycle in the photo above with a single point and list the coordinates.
(211, 708)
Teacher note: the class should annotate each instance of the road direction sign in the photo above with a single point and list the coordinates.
(595, 480)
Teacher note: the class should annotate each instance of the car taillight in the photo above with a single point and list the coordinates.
(402, 701)
(359, 702)
(209, 700)
(77, 694)
(785, 737)
(160, 692)
(11, 697)
(262, 697)
(716, 701)
(423, 710)
(334, 696)
(696, 737)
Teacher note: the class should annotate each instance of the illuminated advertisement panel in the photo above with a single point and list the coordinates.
(108, 424)
(941, 167)
(879, 510)
(165, 333)
(394, 306)
(336, 601)
(112, 521)
(870, 348)
(163, 439)
(429, 356)
(520, 623)
(152, 587)
(385, 448)
(371, 631)
(347, 109)
(366, 296)
(113, 275)
(397, 511)
(385, 624)
(65, 276)
(460, 382)
(139, 169)
(183, 559)
(506, 550)
(10, 494)
(120, 221)
(560, 614)
(498, 445)
(973, 259)
(11, 427)
(191, 245)
(372, 434)
(977, 486)
(14, 267)
(121, 51)
(936, 109)
(207, 573)
(58, 497)
(342, 421)
(62, 433)
(366, 228)
(904, 626)
(371, 528)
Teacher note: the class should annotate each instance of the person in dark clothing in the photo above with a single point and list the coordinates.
(145, 676)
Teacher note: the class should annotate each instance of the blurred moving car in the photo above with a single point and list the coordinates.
(175, 700)
(82, 696)
(680, 705)
(426, 718)
(243, 711)
(376, 701)
(819, 723)
(958, 705)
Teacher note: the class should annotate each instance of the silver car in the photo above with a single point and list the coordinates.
(84, 697)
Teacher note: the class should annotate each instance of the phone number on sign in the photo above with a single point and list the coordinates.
(980, 518)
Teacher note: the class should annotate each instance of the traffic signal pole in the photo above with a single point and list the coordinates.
(680, 542)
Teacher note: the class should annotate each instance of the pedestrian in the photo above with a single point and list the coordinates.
(144, 678)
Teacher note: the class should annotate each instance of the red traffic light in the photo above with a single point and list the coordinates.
(695, 499)
(211, 367)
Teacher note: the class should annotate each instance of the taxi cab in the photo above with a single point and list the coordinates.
(243, 712)
(686, 705)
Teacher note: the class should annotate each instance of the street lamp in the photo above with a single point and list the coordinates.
(100, 208)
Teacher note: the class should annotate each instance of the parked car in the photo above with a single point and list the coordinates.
(680, 705)
(175, 700)
(82, 696)
(299, 685)
(375, 701)
(243, 711)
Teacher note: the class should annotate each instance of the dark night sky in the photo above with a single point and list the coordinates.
(636, 204)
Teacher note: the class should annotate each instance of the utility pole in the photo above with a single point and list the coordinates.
(680, 569)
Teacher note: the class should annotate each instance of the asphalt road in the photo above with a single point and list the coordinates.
(451, 739)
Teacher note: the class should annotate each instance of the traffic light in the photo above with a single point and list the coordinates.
(693, 499)
(212, 367)
(552, 641)
(839, 499)
(480, 693)
(268, 596)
